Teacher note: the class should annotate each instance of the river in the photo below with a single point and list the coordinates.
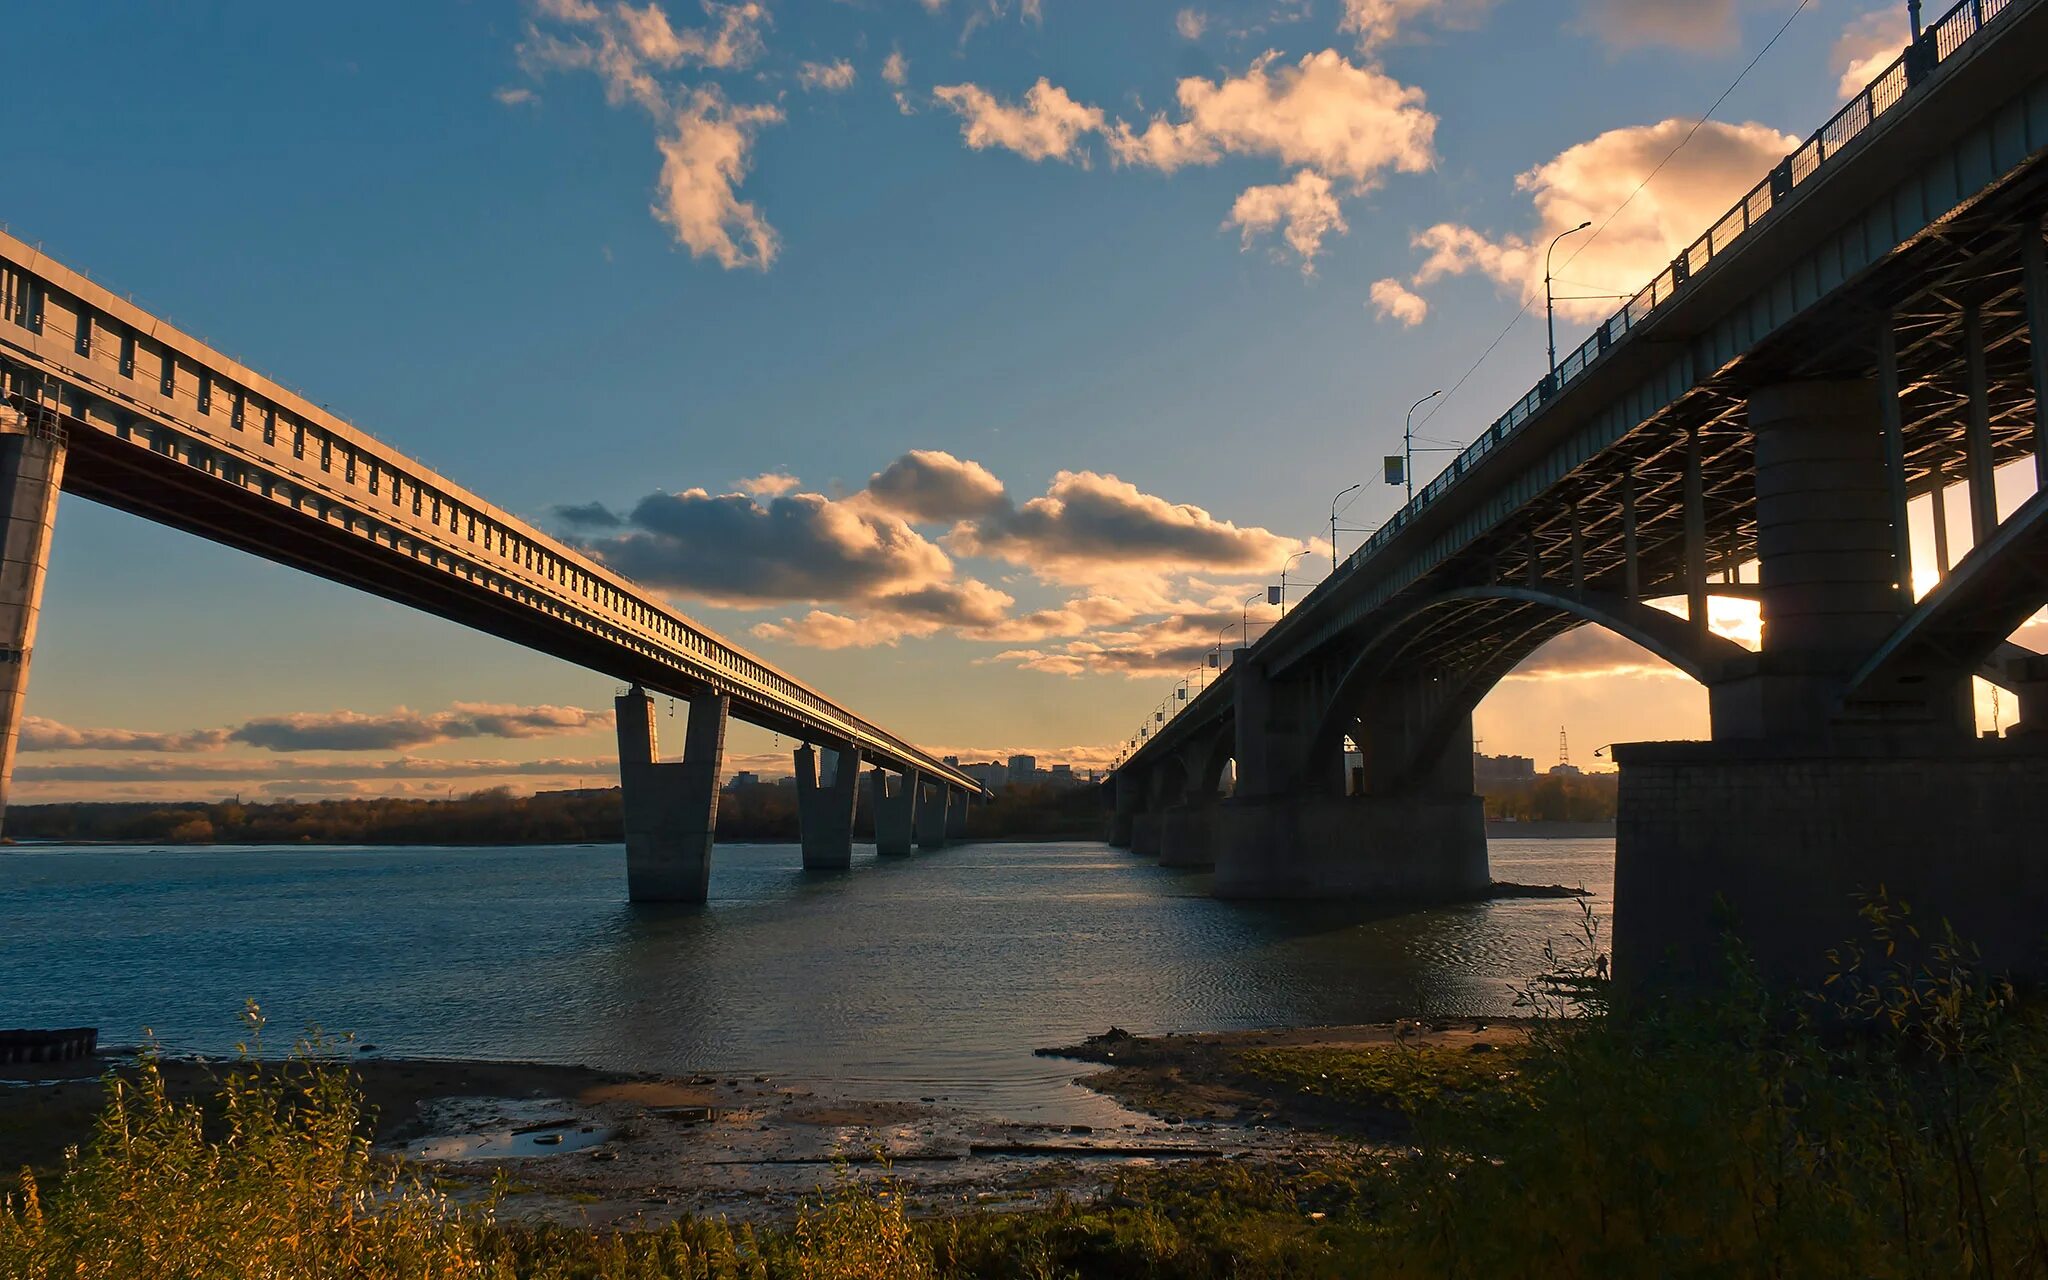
(929, 976)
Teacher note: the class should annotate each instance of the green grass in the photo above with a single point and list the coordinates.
(1416, 1080)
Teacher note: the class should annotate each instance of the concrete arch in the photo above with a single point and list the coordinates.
(1703, 656)
(1217, 752)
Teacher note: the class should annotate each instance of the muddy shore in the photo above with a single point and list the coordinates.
(584, 1146)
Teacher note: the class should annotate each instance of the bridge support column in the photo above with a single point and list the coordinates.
(1828, 561)
(1124, 792)
(956, 814)
(1772, 829)
(895, 815)
(671, 809)
(825, 807)
(31, 472)
(931, 820)
(1187, 837)
(1290, 832)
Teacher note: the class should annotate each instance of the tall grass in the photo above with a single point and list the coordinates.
(1886, 1125)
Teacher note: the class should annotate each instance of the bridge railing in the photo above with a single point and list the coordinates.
(1937, 44)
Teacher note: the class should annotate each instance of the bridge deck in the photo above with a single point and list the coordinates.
(163, 426)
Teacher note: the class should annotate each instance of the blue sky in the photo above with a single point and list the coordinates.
(451, 223)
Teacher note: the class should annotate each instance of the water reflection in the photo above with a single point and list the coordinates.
(933, 975)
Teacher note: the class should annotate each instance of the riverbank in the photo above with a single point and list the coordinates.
(592, 1148)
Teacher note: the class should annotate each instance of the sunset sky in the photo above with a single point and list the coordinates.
(971, 359)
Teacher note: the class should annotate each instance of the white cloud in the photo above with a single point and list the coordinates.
(1323, 112)
(1588, 182)
(896, 68)
(933, 485)
(1867, 46)
(1376, 22)
(1392, 300)
(514, 97)
(769, 484)
(1303, 210)
(1191, 23)
(1046, 125)
(832, 77)
(1094, 529)
(705, 154)
(705, 140)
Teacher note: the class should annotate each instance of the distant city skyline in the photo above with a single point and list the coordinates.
(975, 361)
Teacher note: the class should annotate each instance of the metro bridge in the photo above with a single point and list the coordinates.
(104, 400)
(1861, 330)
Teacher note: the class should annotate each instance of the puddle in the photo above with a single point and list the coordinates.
(503, 1129)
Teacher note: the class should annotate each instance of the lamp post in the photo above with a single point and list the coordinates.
(1283, 579)
(1549, 299)
(1244, 620)
(1408, 443)
(1913, 12)
(1333, 523)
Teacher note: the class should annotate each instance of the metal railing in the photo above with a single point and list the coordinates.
(1936, 45)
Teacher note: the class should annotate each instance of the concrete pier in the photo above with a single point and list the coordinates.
(895, 814)
(671, 809)
(931, 821)
(1145, 832)
(1773, 843)
(1187, 837)
(31, 470)
(1385, 848)
(825, 807)
(1124, 793)
(956, 815)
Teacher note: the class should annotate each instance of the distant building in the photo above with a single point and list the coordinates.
(1062, 776)
(991, 775)
(1561, 770)
(1023, 770)
(745, 778)
(1506, 770)
(951, 762)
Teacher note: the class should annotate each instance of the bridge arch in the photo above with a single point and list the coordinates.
(1526, 618)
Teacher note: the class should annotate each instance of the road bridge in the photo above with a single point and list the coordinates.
(1862, 329)
(104, 400)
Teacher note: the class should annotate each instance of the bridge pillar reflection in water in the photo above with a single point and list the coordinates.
(895, 814)
(31, 470)
(671, 808)
(825, 806)
(1800, 804)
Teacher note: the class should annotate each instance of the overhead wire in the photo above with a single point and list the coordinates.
(1581, 247)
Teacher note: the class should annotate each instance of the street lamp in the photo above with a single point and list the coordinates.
(1549, 299)
(1333, 523)
(1244, 615)
(1408, 443)
(1283, 579)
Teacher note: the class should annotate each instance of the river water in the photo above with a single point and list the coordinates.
(929, 976)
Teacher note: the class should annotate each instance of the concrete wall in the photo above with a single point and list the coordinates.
(1776, 842)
